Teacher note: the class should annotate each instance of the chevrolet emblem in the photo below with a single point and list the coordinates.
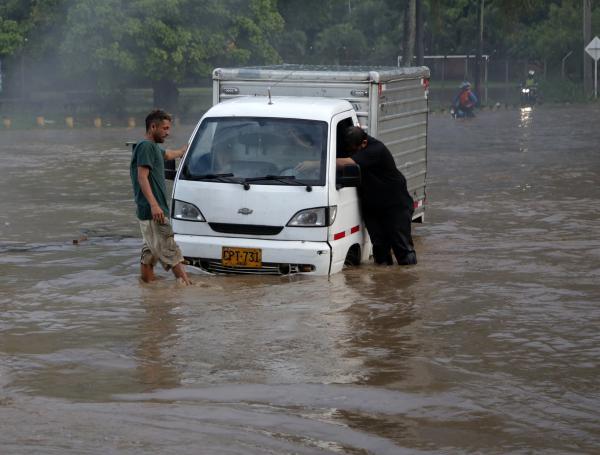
(245, 211)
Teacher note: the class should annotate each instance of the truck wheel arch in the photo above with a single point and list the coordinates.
(353, 256)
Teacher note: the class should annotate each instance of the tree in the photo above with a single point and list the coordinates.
(315, 22)
(341, 44)
(410, 27)
(303, 23)
(254, 27)
(25, 27)
(165, 42)
(11, 37)
(13, 26)
(419, 34)
(587, 37)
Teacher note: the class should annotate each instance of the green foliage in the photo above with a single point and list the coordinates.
(341, 31)
(560, 91)
(111, 44)
(552, 38)
(250, 31)
(118, 42)
(28, 24)
(341, 44)
(11, 36)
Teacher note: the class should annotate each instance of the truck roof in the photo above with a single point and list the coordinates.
(277, 73)
(281, 106)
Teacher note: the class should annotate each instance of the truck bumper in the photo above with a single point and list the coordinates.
(279, 257)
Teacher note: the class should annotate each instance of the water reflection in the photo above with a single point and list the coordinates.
(155, 355)
(525, 125)
(526, 117)
(381, 319)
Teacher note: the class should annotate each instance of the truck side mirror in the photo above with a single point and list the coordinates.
(170, 169)
(348, 176)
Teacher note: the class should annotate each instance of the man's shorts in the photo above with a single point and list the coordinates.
(159, 244)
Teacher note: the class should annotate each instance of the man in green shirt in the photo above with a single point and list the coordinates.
(147, 173)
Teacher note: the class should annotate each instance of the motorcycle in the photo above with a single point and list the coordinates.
(528, 95)
(457, 112)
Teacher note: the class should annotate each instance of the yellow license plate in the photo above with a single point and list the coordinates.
(241, 257)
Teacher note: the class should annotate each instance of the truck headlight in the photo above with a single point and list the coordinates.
(186, 211)
(525, 90)
(316, 217)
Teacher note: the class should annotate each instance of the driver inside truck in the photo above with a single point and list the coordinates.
(302, 146)
(219, 161)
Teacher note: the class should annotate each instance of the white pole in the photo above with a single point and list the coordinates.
(486, 81)
(596, 79)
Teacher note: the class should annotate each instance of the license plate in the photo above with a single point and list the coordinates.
(241, 257)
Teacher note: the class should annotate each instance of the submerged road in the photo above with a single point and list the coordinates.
(490, 344)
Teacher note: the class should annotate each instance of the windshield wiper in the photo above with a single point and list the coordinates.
(218, 177)
(287, 179)
(279, 178)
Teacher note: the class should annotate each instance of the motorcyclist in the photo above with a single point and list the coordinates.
(529, 89)
(530, 81)
(465, 101)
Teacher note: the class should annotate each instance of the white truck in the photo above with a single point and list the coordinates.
(258, 190)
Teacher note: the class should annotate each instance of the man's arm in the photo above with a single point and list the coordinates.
(157, 213)
(341, 162)
(171, 154)
(307, 166)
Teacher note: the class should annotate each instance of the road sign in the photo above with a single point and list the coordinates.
(593, 48)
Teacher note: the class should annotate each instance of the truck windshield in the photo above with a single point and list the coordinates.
(250, 147)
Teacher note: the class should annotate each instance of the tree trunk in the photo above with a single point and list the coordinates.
(587, 37)
(409, 33)
(166, 95)
(419, 33)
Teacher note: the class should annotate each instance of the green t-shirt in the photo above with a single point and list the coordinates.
(149, 154)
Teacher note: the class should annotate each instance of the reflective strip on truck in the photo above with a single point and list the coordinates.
(339, 235)
(342, 234)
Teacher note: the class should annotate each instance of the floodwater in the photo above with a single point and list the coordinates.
(491, 344)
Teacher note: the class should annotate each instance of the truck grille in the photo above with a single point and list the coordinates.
(247, 229)
(215, 266)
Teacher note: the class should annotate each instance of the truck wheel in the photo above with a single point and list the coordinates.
(420, 219)
(353, 256)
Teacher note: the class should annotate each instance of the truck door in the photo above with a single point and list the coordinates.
(346, 235)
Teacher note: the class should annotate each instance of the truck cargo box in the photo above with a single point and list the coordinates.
(391, 104)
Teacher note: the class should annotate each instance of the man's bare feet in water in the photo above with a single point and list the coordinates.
(147, 273)
(181, 275)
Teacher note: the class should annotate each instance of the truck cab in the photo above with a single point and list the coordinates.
(259, 190)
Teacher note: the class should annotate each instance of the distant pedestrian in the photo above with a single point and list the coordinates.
(387, 207)
(147, 173)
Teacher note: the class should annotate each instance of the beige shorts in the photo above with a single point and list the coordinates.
(159, 245)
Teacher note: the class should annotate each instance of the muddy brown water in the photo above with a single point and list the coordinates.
(491, 344)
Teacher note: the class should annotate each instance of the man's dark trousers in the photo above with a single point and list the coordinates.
(390, 229)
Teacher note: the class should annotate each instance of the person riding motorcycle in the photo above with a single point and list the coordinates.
(465, 102)
(529, 89)
(530, 81)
